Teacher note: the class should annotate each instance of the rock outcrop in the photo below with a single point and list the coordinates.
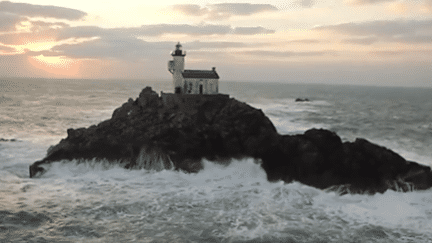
(215, 127)
(148, 133)
(319, 158)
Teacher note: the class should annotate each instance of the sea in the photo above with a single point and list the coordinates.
(97, 201)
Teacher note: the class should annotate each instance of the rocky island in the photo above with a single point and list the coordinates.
(154, 132)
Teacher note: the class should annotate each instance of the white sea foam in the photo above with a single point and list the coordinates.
(98, 201)
(228, 203)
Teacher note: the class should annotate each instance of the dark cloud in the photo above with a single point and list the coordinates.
(31, 10)
(222, 11)
(242, 8)
(288, 53)
(252, 30)
(401, 52)
(415, 39)
(107, 48)
(8, 21)
(306, 3)
(40, 31)
(82, 32)
(384, 30)
(37, 25)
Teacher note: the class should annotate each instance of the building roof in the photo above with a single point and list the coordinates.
(207, 74)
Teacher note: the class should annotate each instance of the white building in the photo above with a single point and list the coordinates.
(191, 81)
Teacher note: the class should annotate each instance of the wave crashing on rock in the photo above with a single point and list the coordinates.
(177, 132)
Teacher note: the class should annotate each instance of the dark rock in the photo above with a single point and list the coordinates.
(318, 158)
(217, 128)
(147, 133)
(8, 140)
(302, 100)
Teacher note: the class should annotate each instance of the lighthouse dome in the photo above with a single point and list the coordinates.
(178, 51)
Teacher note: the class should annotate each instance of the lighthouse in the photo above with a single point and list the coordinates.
(191, 81)
(176, 68)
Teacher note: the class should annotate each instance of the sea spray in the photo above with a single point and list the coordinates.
(102, 202)
(153, 159)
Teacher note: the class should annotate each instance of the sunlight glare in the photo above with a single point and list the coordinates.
(59, 65)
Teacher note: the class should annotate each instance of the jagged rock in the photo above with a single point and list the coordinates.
(216, 128)
(318, 158)
(148, 133)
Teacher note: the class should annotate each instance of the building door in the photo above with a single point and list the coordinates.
(201, 88)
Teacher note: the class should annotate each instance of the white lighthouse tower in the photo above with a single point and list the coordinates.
(176, 67)
(191, 82)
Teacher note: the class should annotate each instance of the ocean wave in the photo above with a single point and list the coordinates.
(226, 203)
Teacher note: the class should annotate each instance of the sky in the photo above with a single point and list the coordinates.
(360, 42)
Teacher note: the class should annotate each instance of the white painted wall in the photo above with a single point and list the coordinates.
(192, 86)
(178, 69)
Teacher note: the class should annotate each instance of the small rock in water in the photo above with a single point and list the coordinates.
(8, 140)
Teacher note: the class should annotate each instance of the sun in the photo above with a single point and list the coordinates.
(58, 65)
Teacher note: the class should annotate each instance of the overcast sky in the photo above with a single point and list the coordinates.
(372, 42)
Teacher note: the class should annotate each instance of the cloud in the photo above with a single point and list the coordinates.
(107, 48)
(368, 2)
(8, 21)
(205, 29)
(160, 29)
(130, 49)
(361, 41)
(402, 52)
(223, 11)
(306, 3)
(44, 11)
(305, 41)
(44, 31)
(198, 45)
(120, 48)
(415, 31)
(288, 53)
(252, 30)
(37, 25)
(7, 49)
(39, 31)
(242, 8)
(415, 39)
(191, 9)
